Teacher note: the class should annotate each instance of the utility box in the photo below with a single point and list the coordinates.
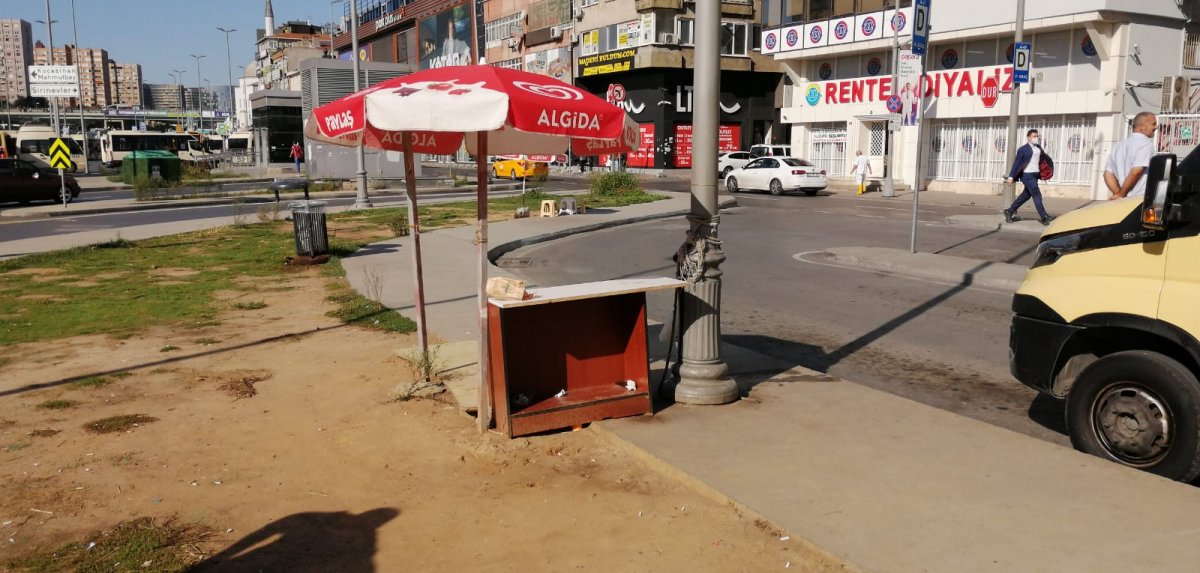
(150, 165)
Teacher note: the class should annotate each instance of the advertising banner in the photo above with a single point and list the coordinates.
(644, 156)
(729, 137)
(555, 63)
(841, 30)
(868, 26)
(445, 39)
(607, 63)
(909, 78)
(940, 84)
(547, 13)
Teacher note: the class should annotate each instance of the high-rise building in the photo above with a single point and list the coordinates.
(16, 53)
(41, 56)
(125, 83)
(93, 71)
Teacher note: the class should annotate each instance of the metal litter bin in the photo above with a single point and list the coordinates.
(308, 220)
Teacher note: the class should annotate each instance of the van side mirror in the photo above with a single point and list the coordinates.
(1161, 185)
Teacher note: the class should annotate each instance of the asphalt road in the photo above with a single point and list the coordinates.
(941, 345)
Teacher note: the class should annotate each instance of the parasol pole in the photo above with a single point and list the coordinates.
(481, 213)
(414, 227)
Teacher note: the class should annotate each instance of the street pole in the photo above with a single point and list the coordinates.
(79, 86)
(362, 201)
(50, 60)
(228, 72)
(920, 180)
(889, 180)
(702, 374)
(1014, 103)
(199, 95)
(179, 82)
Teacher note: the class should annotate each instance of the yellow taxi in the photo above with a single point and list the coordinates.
(520, 166)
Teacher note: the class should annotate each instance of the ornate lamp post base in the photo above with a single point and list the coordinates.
(702, 373)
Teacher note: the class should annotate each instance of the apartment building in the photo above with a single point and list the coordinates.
(278, 53)
(16, 53)
(125, 85)
(93, 64)
(1095, 63)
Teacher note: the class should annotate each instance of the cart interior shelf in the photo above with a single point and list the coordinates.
(570, 354)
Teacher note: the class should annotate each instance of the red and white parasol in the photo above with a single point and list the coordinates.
(495, 111)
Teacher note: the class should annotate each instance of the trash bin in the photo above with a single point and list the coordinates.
(150, 165)
(308, 220)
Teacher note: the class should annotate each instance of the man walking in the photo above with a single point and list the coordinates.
(1125, 172)
(1027, 168)
(297, 154)
(862, 166)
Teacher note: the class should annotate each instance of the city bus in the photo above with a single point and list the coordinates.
(116, 144)
(33, 145)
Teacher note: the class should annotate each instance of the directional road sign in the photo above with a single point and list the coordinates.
(920, 32)
(53, 90)
(53, 75)
(60, 154)
(1021, 52)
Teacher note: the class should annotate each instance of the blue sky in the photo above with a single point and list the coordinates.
(160, 34)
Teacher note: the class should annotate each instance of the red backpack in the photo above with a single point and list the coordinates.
(1045, 166)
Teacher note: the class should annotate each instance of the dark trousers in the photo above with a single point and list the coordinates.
(1030, 181)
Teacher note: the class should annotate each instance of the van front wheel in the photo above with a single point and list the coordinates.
(1140, 409)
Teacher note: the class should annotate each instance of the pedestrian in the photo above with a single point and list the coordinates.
(862, 166)
(1125, 172)
(297, 154)
(1028, 168)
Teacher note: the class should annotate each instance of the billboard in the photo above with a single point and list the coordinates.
(555, 63)
(445, 39)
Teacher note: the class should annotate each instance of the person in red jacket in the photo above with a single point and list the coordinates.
(297, 154)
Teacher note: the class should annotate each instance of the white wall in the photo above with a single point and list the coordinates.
(954, 15)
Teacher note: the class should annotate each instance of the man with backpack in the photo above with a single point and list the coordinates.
(1031, 165)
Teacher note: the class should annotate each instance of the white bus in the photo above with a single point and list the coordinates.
(115, 145)
(33, 145)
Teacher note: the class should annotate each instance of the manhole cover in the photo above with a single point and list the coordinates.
(514, 263)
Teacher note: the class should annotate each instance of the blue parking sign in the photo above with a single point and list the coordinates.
(920, 32)
(1021, 53)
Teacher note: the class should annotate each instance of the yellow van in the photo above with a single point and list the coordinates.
(1108, 317)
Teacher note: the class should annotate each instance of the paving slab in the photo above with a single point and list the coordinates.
(996, 223)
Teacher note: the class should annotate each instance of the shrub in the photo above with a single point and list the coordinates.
(614, 183)
(149, 189)
(398, 223)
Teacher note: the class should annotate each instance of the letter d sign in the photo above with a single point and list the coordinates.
(1021, 52)
(920, 33)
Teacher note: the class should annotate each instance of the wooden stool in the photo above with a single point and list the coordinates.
(549, 208)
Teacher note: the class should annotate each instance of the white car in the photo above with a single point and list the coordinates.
(731, 160)
(777, 175)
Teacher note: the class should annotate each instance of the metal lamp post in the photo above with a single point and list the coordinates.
(179, 82)
(79, 86)
(702, 373)
(199, 94)
(362, 201)
(229, 71)
(50, 60)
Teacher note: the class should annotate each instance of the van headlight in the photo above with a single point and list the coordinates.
(1050, 250)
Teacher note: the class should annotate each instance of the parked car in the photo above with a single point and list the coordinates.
(731, 160)
(765, 150)
(519, 167)
(21, 181)
(777, 175)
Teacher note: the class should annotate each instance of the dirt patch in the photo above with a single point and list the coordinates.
(319, 471)
(174, 272)
(81, 284)
(43, 297)
(35, 271)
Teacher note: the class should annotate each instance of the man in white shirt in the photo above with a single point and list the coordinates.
(1125, 172)
(862, 166)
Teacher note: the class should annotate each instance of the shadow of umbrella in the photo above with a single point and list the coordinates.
(310, 541)
(504, 111)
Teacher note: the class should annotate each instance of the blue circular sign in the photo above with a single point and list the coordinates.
(770, 41)
(893, 104)
(815, 34)
(950, 58)
(813, 95)
(898, 21)
(792, 38)
(825, 71)
(868, 26)
(1089, 49)
(874, 66)
(841, 30)
(1010, 52)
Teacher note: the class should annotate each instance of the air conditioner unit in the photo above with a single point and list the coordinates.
(579, 13)
(1175, 95)
(556, 33)
(667, 38)
(514, 44)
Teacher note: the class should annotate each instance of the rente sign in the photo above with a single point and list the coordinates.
(945, 83)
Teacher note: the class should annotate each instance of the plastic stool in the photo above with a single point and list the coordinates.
(549, 208)
(568, 205)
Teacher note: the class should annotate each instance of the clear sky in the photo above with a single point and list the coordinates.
(161, 34)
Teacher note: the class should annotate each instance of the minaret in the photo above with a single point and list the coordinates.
(269, 22)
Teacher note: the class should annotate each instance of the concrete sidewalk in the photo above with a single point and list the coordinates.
(943, 269)
(878, 482)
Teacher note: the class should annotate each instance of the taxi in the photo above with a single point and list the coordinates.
(520, 166)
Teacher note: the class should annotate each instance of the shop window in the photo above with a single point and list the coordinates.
(980, 53)
(1051, 52)
(1085, 63)
(819, 10)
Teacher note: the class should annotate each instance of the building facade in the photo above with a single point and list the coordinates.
(95, 80)
(125, 86)
(1094, 64)
(16, 54)
(279, 52)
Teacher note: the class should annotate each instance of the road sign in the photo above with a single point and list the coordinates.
(989, 92)
(60, 154)
(53, 75)
(920, 33)
(53, 90)
(894, 104)
(1021, 51)
(894, 122)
